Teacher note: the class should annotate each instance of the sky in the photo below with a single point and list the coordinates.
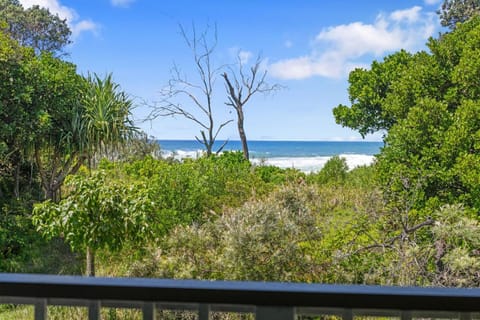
(307, 46)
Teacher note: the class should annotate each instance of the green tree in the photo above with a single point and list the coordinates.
(458, 11)
(99, 213)
(106, 112)
(59, 134)
(334, 172)
(34, 27)
(428, 107)
(78, 119)
(16, 118)
(430, 154)
(368, 91)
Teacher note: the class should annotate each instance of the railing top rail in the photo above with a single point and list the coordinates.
(240, 292)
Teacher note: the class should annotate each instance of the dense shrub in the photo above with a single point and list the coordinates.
(300, 232)
(334, 172)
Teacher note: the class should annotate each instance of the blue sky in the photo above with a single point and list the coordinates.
(308, 46)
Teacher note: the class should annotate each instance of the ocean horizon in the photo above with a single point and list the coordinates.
(307, 156)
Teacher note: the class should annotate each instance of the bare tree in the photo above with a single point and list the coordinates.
(199, 96)
(241, 87)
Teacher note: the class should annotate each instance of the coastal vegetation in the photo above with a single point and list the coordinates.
(82, 191)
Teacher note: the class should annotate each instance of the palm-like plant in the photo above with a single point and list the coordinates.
(106, 116)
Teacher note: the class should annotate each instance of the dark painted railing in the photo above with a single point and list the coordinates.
(267, 300)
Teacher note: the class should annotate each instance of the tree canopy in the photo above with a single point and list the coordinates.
(427, 105)
(458, 11)
(34, 27)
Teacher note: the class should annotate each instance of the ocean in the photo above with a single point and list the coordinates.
(307, 156)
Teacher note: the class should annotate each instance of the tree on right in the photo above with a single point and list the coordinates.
(428, 106)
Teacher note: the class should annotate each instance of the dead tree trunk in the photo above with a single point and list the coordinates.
(250, 83)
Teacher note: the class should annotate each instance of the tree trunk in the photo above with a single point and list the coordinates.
(90, 270)
(16, 189)
(241, 133)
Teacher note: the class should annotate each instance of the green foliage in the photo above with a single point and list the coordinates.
(34, 27)
(456, 237)
(258, 241)
(428, 103)
(299, 232)
(105, 116)
(193, 189)
(99, 213)
(277, 176)
(458, 11)
(16, 234)
(334, 172)
(367, 91)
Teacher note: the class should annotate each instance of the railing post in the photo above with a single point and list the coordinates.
(41, 309)
(406, 315)
(94, 310)
(149, 311)
(204, 312)
(465, 316)
(347, 314)
(275, 313)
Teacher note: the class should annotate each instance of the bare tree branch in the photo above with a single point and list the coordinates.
(199, 95)
(389, 243)
(238, 83)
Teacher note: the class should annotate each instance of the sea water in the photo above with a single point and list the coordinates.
(307, 156)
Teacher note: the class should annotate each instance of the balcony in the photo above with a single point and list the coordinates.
(266, 300)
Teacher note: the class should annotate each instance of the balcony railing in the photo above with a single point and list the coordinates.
(267, 300)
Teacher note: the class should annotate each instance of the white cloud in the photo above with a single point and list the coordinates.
(77, 26)
(410, 15)
(121, 3)
(339, 49)
(431, 2)
(288, 44)
(244, 56)
(54, 6)
(84, 25)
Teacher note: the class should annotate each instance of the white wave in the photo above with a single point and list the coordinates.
(357, 160)
(182, 154)
(313, 164)
(305, 164)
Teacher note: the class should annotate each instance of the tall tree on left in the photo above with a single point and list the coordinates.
(78, 118)
(34, 27)
(16, 118)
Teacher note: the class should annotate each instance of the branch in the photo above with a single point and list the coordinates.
(222, 146)
(220, 128)
(390, 242)
(252, 84)
(174, 110)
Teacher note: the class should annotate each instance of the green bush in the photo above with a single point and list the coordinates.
(334, 172)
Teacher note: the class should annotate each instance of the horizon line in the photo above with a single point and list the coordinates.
(270, 140)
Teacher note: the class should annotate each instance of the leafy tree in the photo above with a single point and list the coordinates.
(16, 118)
(368, 91)
(106, 111)
(34, 27)
(78, 119)
(99, 213)
(334, 172)
(57, 145)
(428, 105)
(458, 11)
(194, 189)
